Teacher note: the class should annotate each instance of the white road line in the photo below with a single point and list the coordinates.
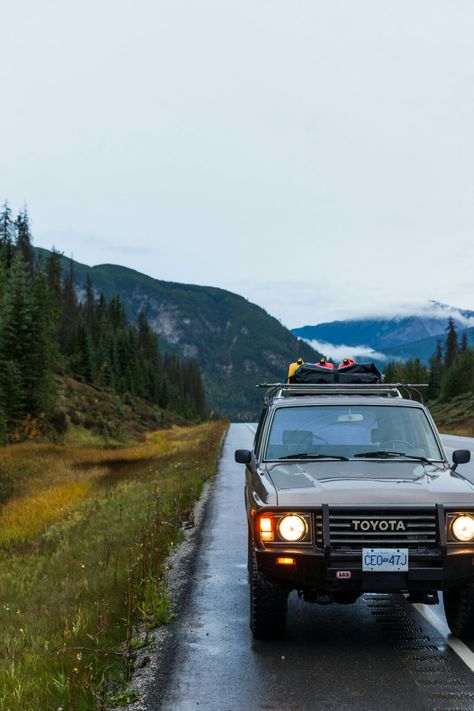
(251, 428)
(461, 649)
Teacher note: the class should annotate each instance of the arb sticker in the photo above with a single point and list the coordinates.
(343, 574)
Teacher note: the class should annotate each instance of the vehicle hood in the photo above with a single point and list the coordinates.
(367, 482)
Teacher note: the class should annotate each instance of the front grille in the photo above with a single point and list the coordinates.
(370, 527)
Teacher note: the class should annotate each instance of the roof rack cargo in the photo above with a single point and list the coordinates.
(324, 373)
(281, 390)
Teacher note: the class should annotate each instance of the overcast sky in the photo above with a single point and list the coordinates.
(316, 157)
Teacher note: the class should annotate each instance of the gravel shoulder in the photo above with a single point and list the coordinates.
(153, 663)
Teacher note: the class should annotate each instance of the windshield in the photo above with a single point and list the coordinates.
(342, 431)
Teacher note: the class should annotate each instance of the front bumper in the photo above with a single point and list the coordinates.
(325, 564)
(336, 571)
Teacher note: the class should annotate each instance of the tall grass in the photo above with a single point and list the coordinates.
(82, 545)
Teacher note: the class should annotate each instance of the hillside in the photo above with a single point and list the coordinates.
(455, 416)
(236, 343)
(90, 415)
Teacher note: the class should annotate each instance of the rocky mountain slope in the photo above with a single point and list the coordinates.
(236, 343)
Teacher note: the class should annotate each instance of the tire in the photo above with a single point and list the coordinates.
(459, 609)
(268, 605)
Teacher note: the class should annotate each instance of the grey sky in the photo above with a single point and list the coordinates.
(316, 157)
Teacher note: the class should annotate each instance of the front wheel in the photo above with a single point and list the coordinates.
(268, 604)
(459, 609)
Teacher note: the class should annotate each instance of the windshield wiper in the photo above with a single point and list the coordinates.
(386, 453)
(308, 455)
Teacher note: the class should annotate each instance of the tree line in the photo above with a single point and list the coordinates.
(450, 371)
(49, 327)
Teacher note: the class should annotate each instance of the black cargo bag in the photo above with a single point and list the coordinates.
(356, 374)
(359, 373)
(313, 374)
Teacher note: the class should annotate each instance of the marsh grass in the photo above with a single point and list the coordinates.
(83, 542)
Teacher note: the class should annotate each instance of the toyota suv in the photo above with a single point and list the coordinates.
(348, 490)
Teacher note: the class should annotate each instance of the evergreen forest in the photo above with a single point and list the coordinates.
(50, 327)
(450, 371)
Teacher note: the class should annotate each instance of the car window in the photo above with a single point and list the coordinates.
(349, 431)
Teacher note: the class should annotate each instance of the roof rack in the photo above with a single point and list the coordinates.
(281, 390)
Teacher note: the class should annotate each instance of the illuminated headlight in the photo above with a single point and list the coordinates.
(293, 527)
(462, 528)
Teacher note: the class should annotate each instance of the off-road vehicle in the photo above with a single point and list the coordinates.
(348, 490)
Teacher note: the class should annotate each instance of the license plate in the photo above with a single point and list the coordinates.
(384, 560)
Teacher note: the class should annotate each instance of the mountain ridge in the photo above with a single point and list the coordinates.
(399, 336)
(236, 343)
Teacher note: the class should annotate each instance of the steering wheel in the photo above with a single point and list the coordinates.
(321, 439)
(396, 442)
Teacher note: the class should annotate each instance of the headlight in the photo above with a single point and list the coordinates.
(462, 528)
(293, 527)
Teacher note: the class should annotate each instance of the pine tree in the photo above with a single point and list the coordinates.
(23, 239)
(54, 302)
(53, 275)
(7, 235)
(196, 390)
(394, 372)
(84, 362)
(415, 372)
(45, 352)
(464, 342)
(17, 379)
(116, 312)
(89, 304)
(451, 348)
(69, 311)
(435, 372)
(459, 378)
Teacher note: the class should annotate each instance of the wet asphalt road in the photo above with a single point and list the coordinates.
(380, 653)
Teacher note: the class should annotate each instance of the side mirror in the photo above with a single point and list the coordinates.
(461, 456)
(243, 456)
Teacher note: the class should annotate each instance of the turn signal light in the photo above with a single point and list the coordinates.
(265, 524)
(285, 561)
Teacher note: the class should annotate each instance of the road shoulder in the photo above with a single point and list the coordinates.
(153, 663)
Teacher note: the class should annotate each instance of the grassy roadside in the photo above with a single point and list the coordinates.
(455, 416)
(82, 545)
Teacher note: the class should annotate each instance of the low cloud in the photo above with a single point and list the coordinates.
(329, 350)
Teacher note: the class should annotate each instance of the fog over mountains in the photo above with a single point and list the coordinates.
(412, 334)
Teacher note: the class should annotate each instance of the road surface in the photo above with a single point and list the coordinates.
(379, 654)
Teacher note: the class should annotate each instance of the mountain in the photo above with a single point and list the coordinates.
(382, 333)
(236, 343)
(402, 336)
